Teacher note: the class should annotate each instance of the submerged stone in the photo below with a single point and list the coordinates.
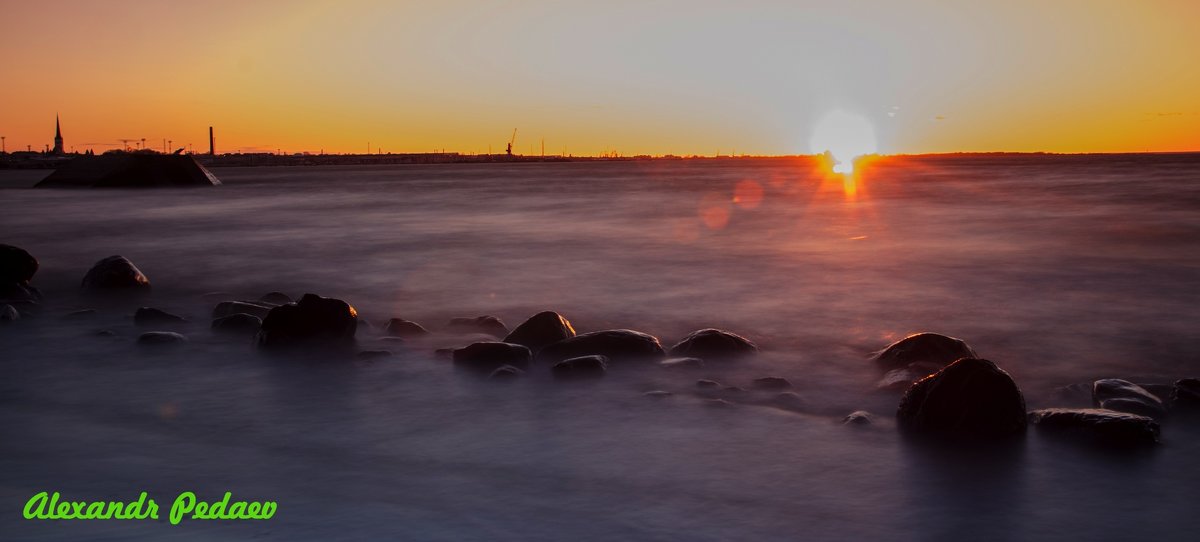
(505, 372)
(113, 273)
(615, 344)
(399, 327)
(159, 338)
(541, 329)
(8, 313)
(312, 321)
(931, 348)
(488, 356)
(226, 308)
(1107, 427)
(714, 344)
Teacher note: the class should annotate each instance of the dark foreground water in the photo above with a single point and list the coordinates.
(1060, 269)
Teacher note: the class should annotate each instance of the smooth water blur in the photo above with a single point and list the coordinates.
(1060, 269)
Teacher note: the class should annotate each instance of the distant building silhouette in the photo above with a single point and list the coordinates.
(58, 142)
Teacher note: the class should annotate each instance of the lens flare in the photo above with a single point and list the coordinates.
(845, 136)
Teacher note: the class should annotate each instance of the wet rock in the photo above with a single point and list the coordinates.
(16, 265)
(682, 363)
(115, 273)
(1107, 427)
(931, 348)
(1125, 396)
(658, 394)
(8, 313)
(149, 316)
(486, 357)
(373, 354)
(226, 308)
(399, 327)
(541, 329)
(161, 338)
(506, 372)
(488, 325)
(902, 378)
(707, 384)
(615, 344)
(593, 366)
(771, 383)
(238, 323)
(971, 397)
(858, 417)
(713, 344)
(275, 298)
(312, 321)
(1186, 394)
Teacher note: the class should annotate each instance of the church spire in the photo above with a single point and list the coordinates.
(58, 140)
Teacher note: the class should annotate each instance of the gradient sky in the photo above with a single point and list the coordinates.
(639, 77)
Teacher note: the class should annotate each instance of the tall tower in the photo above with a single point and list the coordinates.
(58, 144)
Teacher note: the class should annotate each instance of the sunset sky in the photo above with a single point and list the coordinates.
(638, 77)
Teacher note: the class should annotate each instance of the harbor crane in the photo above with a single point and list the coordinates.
(511, 142)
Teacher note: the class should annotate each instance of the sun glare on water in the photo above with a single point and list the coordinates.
(845, 136)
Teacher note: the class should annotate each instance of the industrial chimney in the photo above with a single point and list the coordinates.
(212, 143)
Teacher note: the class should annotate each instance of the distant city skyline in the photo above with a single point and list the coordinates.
(636, 78)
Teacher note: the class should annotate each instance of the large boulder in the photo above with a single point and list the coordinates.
(541, 329)
(486, 357)
(1125, 396)
(1107, 427)
(16, 265)
(113, 273)
(312, 321)
(616, 344)
(712, 344)
(971, 397)
(923, 348)
(488, 325)
(582, 367)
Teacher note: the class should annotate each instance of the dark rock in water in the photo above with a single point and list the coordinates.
(1186, 394)
(8, 313)
(1125, 396)
(901, 379)
(314, 320)
(238, 323)
(226, 308)
(275, 298)
(488, 356)
(704, 383)
(771, 383)
(130, 170)
(971, 397)
(658, 394)
(159, 338)
(1104, 426)
(488, 325)
(13, 292)
(1161, 391)
(506, 372)
(712, 344)
(399, 327)
(16, 265)
(541, 329)
(858, 417)
(113, 273)
(81, 313)
(933, 348)
(615, 344)
(682, 363)
(373, 354)
(148, 316)
(593, 366)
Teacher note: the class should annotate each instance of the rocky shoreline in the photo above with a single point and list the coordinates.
(949, 391)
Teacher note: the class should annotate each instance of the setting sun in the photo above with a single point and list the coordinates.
(845, 136)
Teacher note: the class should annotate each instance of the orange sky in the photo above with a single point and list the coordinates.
(640, 77)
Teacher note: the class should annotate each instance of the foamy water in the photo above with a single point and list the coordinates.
(1060, 269)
